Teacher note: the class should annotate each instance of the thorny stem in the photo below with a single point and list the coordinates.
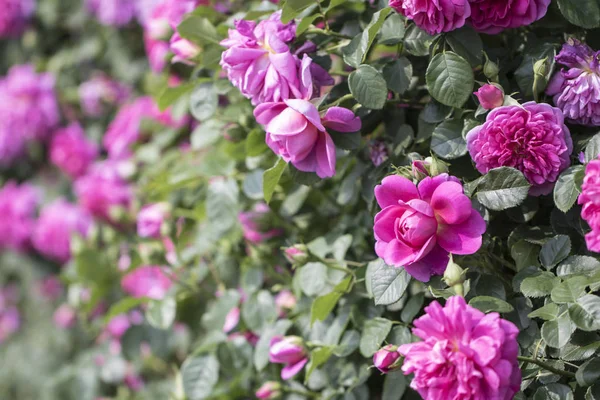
(546, 366)
(327, 33)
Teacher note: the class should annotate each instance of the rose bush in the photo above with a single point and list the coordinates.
(227, 199)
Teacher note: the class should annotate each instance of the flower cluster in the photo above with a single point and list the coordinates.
(18, 204)
(147, 281)
(72, 151)
(486, 16)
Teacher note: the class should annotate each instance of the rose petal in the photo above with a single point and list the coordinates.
(464, 238)
(450, 203)
(394, 188)
(289, 371)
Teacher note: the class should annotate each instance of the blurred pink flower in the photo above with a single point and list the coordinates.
(112, 12)
(14, 16)
(57, 224)
(418, 226)
(50, 288)
(71, 151)
(285, 301)
(147, 281)
(255, 224)
(100, 91)
(232, 319)
(268, 391)
(590, 200)
(65, 316)
(117, 326)
(185, 51)
(493, 16)
(464, 354)
(18, 205)
(151, 219)
(10, 322)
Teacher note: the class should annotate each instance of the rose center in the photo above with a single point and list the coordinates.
(414, 228)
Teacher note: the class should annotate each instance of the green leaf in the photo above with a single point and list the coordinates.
(324, 305)
(553, 391)
(592, 149)
(548, 312)
(199, 374)
(466, 43)
(586, 313)
(555, 250)
(206, 134)
(305, 23)
(566, 189)
(255, 143)
(161, 313)
(525, 254)
(313, 278)
(346, 140)
(578, 265)
(556, 333)
(199, 30)
(583, 13)
(539, 285)
(502, 188)
(368, 87)
(593, 393)
(171, 94)
(394, 386)
(447, 140)
(588, 373)
(252, 185)
(293, 8)
(271, 179)
(524, 74)
(392, 31)
(417, 41)
(570, 290)
(374, 333)
(450, 79)
(204, 101)
(488, 304)
(572, 352)
(398, 75)
(356, 52)
(259, 311)
(318, 357)
(123, 306)
(412, 308)
(222, 204)
(388, 283)
(261, 353)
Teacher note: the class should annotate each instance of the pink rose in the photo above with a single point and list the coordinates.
(418, 226)
(290, 351)
(434, 16)
(464, 354)
(490, 96)
(385, 359)
(269, 390)
(151, 219)
(71, 151)
(184, 50)
(493, 16)
(14, 16)
(100, 91)
(65, 316)
(590, 200)
(147, 281)
(255, 226)
(18, 204)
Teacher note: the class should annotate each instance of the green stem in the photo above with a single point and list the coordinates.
(339, 73)
(339, 101)
(546, 366)
(330, 264)
(328, 33)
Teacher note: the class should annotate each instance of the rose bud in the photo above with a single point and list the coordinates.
(290, 351)
(297, 254)
(151, 219)
(490, 96)
(386, 358)
(269, 390)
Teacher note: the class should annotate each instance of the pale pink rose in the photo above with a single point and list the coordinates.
(147, 281)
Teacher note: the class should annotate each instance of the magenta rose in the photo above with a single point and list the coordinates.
(434, 16)
(147, 281)
(268, 391)
(532, 138)
(151, 219)
(18, 204)
(418, 226)
(14, 16)
(71, 151)
(464, 354)
(386, 358)
(184, 50)
(576, 90)
(289, 351)
(58, 223)
(490, 96)
(590, 200)
(493, 16)
(256, 224)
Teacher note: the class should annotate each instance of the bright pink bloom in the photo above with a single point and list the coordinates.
(125, 130)
(285, 301)
(258, 60)
(590, 200)
(117, 326)
(151, 219)
(103, 189)
(385, 358)
(147, 281)
(184, 50)
(419, 225)
(269, 390)
(490, 96)
(255, 224)
(532, 138)
(18, 207)
(232, 319)
(576, 90)
(157, 52)
(14, 16)
(434, 16)
(465, 354)
(494, 16)
(65, 316)
(100, 91)
(71, 151)
(112, 12)
(297, 132)
(288, 350)
(133, 381)
(58, 223)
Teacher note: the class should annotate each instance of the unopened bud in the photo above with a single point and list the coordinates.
(387, 358)
(269, 390)
(296, 254)
(455, 276)
(490, 69)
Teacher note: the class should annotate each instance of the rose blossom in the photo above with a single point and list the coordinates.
(434, 16)
(57, 224)
(297, 132)
(284, 301)
(576, 90)
(183, 49)
(112, 12)
(258, 60)
(464, 354)
(419, 225)
(490, 96)
(151, 219)
(157, 52)
(385, 359)
(71, 151)
(147, 281)
(290, 351)
(100, 91)
(65, 316)
(254, 224)
(590, 200)
(269, 390)
(117, 326)
(102, 190)
(493, 16)
(531, 138)
(15, 16)
(18, 205)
